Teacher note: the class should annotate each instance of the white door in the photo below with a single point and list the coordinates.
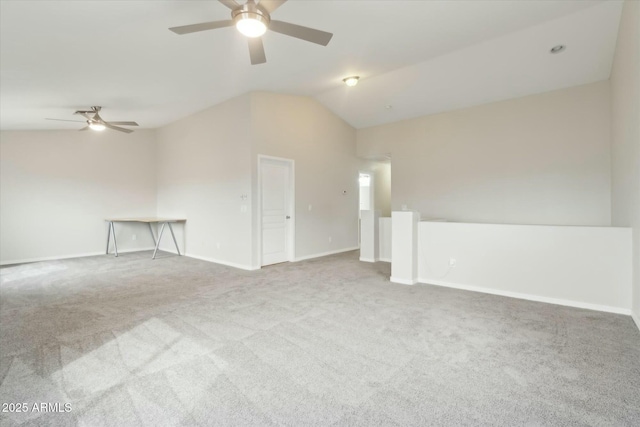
(276, 215)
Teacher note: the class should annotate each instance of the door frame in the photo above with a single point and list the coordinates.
(291, 225)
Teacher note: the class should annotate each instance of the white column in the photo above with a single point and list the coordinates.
(369, 243)
(404, 247)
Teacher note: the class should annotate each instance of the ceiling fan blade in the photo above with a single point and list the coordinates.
(300, 32)
(86, 114)
(194, 28)
(123, 123)
(256, 51)
(84, 128)
(116, 128)
(62, 120)
(231, 4)
(271, 5)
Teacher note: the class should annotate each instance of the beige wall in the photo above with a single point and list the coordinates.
(625, 114)
(323, 148)
(541, 159)
(382, 188)
(204, 171)
(57, 187)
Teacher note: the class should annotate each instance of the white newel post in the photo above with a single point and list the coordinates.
(404, 247)
(369, 236)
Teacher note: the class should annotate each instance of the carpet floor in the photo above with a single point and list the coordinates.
(327, 342)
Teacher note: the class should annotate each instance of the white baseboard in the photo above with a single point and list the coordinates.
(402, 281)
(557, 301)
(219, 261)
(374, 260)
(338, 251)
(636, 318)
(252, 268)
(61, 257)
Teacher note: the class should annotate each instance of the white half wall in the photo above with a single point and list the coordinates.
(57, 187)
(369, 236)
(404, 247)
(587, 267)
(384, 237)
(540, 159)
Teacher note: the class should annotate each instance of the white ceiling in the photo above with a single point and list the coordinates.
(421, 57)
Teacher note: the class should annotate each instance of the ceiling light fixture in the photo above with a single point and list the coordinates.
(250, 20)
(557, 49)
(351, 81)
(96, 126)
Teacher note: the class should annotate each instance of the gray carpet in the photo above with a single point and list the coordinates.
(326, 342)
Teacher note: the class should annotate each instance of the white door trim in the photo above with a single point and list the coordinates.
(291, 228)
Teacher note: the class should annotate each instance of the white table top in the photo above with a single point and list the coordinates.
(146, 219)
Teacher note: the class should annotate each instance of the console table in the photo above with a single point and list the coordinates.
(148, 221)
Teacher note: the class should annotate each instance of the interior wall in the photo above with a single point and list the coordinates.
(382, 188)
(587, 267)
(57, 188)
(326, 169)
(204, 175)
(541, 159)
(625, 113)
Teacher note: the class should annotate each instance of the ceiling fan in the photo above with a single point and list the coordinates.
(95, 122)
(253, 19)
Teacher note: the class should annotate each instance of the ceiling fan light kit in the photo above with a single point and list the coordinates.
(250, 20)
(96, 126)
(253, 20)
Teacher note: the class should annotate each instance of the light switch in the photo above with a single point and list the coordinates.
(310, 207)
(243, 209)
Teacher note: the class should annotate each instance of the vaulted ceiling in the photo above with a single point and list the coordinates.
(414, 57)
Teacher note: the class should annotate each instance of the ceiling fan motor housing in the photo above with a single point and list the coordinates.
(251, 11)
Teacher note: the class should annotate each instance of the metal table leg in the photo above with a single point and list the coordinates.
(158, 242)
(108, 236)
(152, 235)
(115, 242)
(174, 238)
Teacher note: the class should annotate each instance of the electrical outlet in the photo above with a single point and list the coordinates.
(452, 262)
(134, 237)
(404, 207)
(330, 239)
(217, 245)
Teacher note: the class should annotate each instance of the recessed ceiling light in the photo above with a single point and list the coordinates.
(557, 49)
(351, 81)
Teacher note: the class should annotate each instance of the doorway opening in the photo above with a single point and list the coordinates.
(365, 191)
(374, 182)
